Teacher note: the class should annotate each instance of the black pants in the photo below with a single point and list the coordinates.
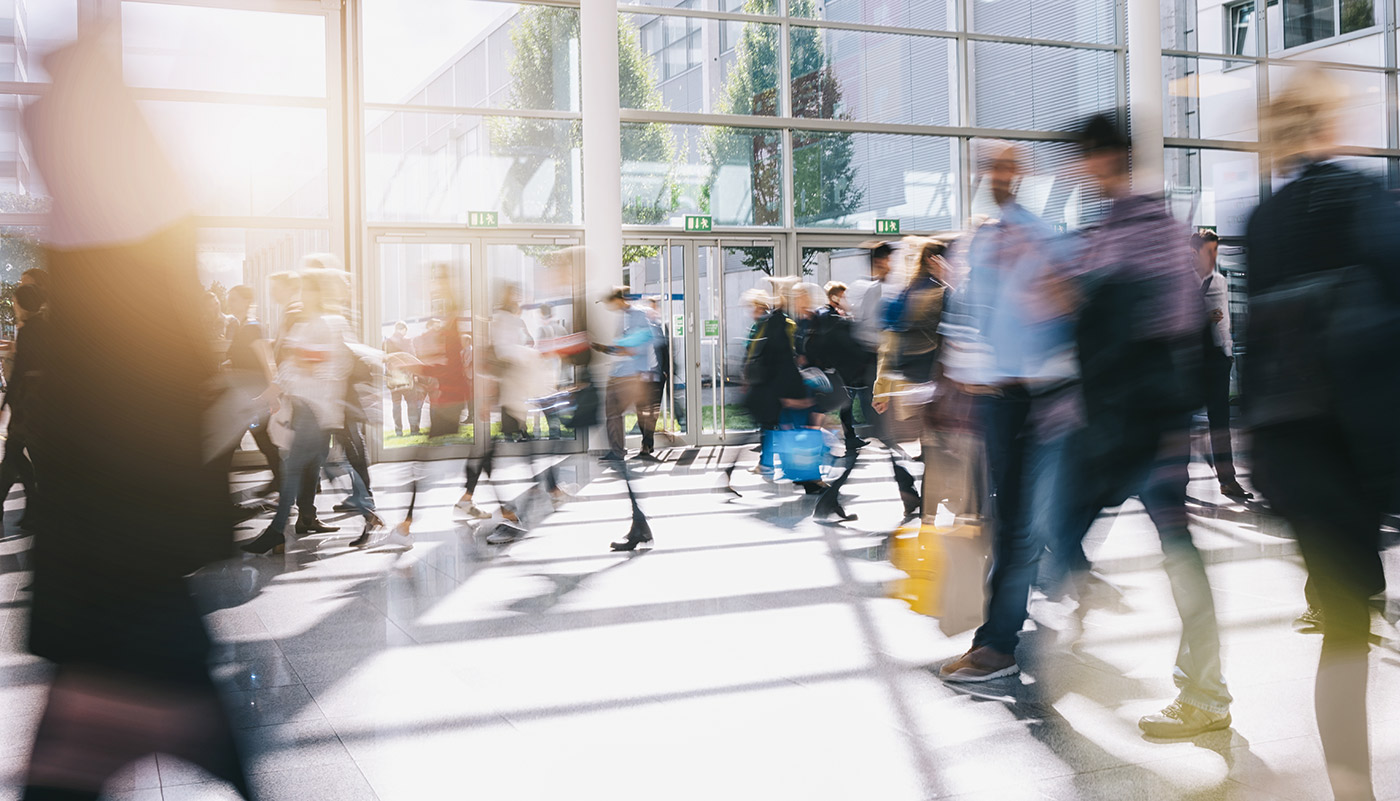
(1217, 369)
(16, 468)
(1308, 475)
(263, 439)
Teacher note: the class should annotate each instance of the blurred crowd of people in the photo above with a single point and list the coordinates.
(1044, 377)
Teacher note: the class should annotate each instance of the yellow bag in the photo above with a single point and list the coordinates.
(947, 567)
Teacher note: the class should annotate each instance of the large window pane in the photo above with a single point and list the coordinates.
(19, 252)
(1053, 186)
(21, 190)
(1039, 88)
(873, 77)
(696, 65)
(1215, 188)
(472, 54)
(1363, 115)
(731, 6)
(1307, 21)
(1208, 26)
(35, 29)
(437, 167)
(1066, 20)
(223, 50)
(732, 174)
(930, 14)
(845, 180)
(228, 257)
(246, 160)
(1208, 99)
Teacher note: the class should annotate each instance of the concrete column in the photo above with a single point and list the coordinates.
(1145, 90)
(602, 164)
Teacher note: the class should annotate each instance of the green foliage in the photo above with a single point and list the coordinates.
(1357, 14)
(539, 79)
(19, 252)
(823, 178)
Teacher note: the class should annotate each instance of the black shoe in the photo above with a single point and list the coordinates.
(857, 443)
(314, 527)
(373, 525)
(830, 506)
(344, 506)
(913, 504)
(814, 487)
(646, 456)
(639, 535)
(1232, 489)
(610, 456)
(270, 541)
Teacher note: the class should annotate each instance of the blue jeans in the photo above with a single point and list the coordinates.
(310, 446)
(1029, 506)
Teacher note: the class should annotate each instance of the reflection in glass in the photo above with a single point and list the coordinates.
(1066, 20)
(1053, 187)
(1208, 99)
(1216, 188)
(874, 77)
(732, 174)
(1363, 114)
(39, 28)
(471, 54)
(724, 274)
(663, 65)
(1055, 87)
(223, 50)
(437, 167)
(930, 14)
(845, 180)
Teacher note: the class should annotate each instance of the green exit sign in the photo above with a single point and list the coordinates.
(697, 222)
(481, 219)
(887, 226)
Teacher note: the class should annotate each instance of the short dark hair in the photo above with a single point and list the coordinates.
(29, 297)
(1102, 132)
(881, 251)
(38, 276)
(1202, 238)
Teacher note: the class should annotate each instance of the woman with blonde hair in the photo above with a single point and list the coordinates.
(1318, 389)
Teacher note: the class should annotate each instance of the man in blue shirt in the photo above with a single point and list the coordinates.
(627, 388)
(1013, 350)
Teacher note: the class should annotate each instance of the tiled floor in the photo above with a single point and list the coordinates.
(751, 655)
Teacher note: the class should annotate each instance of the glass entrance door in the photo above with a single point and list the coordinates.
(697, 286)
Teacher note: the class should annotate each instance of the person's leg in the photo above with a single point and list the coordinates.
(1309, 479)
(301, 463)
(1221, 454)
(417, 397)
(647, 403)
(848, 423)
(355, 453)
(1015, 553)
(1198, 672)
(615, 398)
(398, 398)
(262, 437)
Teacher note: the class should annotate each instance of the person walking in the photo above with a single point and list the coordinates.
(555, 369)
(1012, 353)
(405, 398)
(21, 395)
(1319, 389)
(1218, 362)
(626, 387)
(251, 369)
(1139, 333)
(867, 305)
(312, 376)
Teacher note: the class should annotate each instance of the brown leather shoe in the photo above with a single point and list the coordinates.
(980, 664)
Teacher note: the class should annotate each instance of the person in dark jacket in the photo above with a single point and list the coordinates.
(776, 395)
(20, 397)
(1319, 387)
(831, 345)
(121, 415)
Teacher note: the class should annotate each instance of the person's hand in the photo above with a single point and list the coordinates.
(270, 397)
(880, 406)
(796, 403)
(1216, 315)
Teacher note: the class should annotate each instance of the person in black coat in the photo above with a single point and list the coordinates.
(776, 394)
(120, 413)
(1320, 379)
(831, 345)
(20, 396)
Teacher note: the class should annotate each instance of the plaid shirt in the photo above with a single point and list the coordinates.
(1140, 241)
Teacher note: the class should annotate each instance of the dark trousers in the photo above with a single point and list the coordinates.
(263, 439)
(1029, 505)
(411, 398)
(16, 468)
(1217, 369)
(352, 441)
(1306, 473)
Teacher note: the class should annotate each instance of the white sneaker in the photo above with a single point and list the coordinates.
(506, 532)
(398, 537)
(468, 509)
